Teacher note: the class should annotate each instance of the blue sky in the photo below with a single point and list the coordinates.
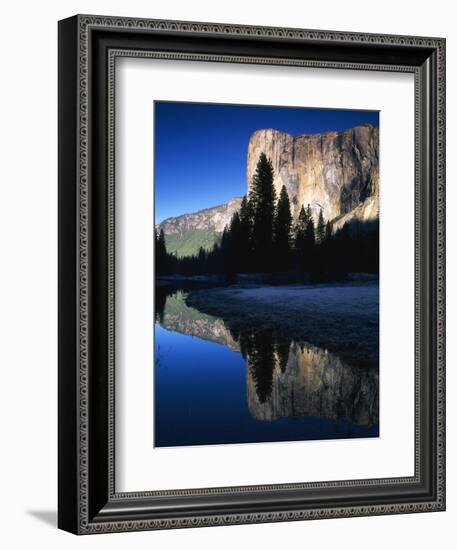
(201, 148)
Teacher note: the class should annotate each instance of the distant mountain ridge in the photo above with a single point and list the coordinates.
(185, 234)
(337, 172)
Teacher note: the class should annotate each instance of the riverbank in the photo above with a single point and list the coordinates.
(342, 318)
(259, 279)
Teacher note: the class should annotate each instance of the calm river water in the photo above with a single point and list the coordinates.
(214, 387)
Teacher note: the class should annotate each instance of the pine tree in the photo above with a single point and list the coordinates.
(320, 232)
(160, 253)
(261, 361)
(235, 243)
(246, 222)
(263, 198)
(309, 256)
(302, 222)
(344, 248)
(282, 231)
(310, 236)
(230, 248)
(201, 261)
(300, 238)
(328, 231)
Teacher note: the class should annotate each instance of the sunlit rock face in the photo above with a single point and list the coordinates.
(312, 382)
(335, 171)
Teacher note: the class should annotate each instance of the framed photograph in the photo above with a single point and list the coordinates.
(251, 274)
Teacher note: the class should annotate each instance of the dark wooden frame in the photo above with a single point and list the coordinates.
(88, 46)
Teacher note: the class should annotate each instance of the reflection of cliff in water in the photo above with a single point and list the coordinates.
(173, 313)
(312, 382)
(284, 378)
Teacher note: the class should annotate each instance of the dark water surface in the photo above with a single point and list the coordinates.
(214, 387)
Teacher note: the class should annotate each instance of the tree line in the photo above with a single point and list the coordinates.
(262, 238)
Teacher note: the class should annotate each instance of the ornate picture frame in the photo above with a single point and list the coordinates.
(88, 48)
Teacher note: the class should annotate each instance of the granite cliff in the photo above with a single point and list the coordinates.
(337, 172)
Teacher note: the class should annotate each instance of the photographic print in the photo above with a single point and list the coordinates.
(266, 274)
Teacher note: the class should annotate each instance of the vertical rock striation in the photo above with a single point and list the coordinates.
(335, 171)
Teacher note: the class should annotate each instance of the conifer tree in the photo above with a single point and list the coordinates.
(320, 232)
(261, 361)
(201, 260)
(246, 222)
(319, 267)
(263, 198)
(328, 231)
(310, 237)
(300, 238)
(302, 222)
(230, 247)
(235, 242)
(160, 252)
(309, 253)
(282, 231)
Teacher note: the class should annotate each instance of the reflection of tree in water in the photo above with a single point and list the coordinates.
(307, 381)
(284, 377)
(261, 362)
(163, 290)
(161, 293)
(262, 353)
(282, 348)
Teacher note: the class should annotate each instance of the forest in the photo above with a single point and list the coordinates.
(262, 238)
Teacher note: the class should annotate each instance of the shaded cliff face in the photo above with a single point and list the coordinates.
(185, 234)
(305, 380)
(335, 171)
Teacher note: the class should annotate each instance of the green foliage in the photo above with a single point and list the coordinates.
(189, 243)
(337, 218)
